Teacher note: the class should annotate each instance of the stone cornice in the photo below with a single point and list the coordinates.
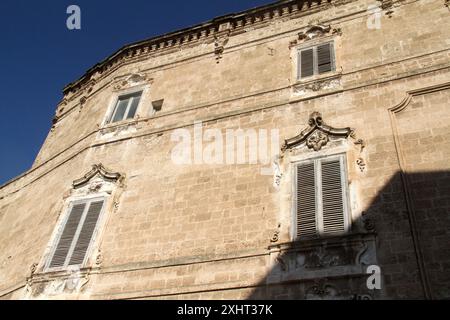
(212, 31)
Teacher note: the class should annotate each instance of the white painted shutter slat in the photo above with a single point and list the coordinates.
(332, 197)
(306, 63)
(324, 63)
(84, 239)
(66, 239)
(306, 201)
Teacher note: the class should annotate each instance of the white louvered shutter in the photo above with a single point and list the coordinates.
(306, 200)
(321, 197)
(316, 60)
(306, 63)
(85, 235)
(67, 236)
(324, 58)
(332, 197)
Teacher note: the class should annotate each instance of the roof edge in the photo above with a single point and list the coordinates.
(197, 32)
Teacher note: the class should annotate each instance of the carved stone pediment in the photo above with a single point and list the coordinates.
(314, 31)
(131, 81)
(97, 170)
(316, 135)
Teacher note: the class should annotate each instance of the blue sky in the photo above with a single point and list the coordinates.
(39, 56)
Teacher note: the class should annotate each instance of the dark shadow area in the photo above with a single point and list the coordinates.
(405, 231)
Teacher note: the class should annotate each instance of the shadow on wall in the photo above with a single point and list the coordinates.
(405, 231)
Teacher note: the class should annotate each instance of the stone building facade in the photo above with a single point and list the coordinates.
(356, 94)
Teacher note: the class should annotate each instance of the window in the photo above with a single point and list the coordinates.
(126, 107)
(74, 241)
(316, 60)
(321, 201)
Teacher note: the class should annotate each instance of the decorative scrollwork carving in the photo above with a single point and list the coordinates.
(97, 169)
(220, 40)
(369, 224)
(99, 258)
(361, 143)
(317, 140)
(361, 164)
(317, 30)
(317, 134)
(276, 235)
(33, 268)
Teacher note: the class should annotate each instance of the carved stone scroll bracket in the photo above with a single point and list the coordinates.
(82, 103)
(220, 40)
(361, 164)
(33, 269)
(387, 6)
(277, 174)
(276, 234)
(360, 161)
(316, 135)
(368, 223)
(99, 259)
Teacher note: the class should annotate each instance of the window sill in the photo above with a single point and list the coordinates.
(330, 240)
(59, 273)
(51, 283)
(337, 256)
(314, 85)
(119, 127)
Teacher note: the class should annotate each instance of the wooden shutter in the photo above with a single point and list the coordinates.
(306, 200)
(306, 63)
(85, 236)
(332, 197)
(324, 58)
(66, 239)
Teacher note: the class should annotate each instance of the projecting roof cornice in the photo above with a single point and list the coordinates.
(213, 30)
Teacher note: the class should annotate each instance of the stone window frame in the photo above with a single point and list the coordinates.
(295, 53)
(114, 100)
(314, 47)
(131, 98)
(341, 148)
(101, 221)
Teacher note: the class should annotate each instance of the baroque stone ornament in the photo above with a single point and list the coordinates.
(369, 224)
(316, 140)
(276, 235)
(387, 6)
(315, 30)
(220, 40)
(133, 79)
(317, 134)
(361, 164)
(33, 268)
(99, 258)
(321, 289)
(100, 170)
